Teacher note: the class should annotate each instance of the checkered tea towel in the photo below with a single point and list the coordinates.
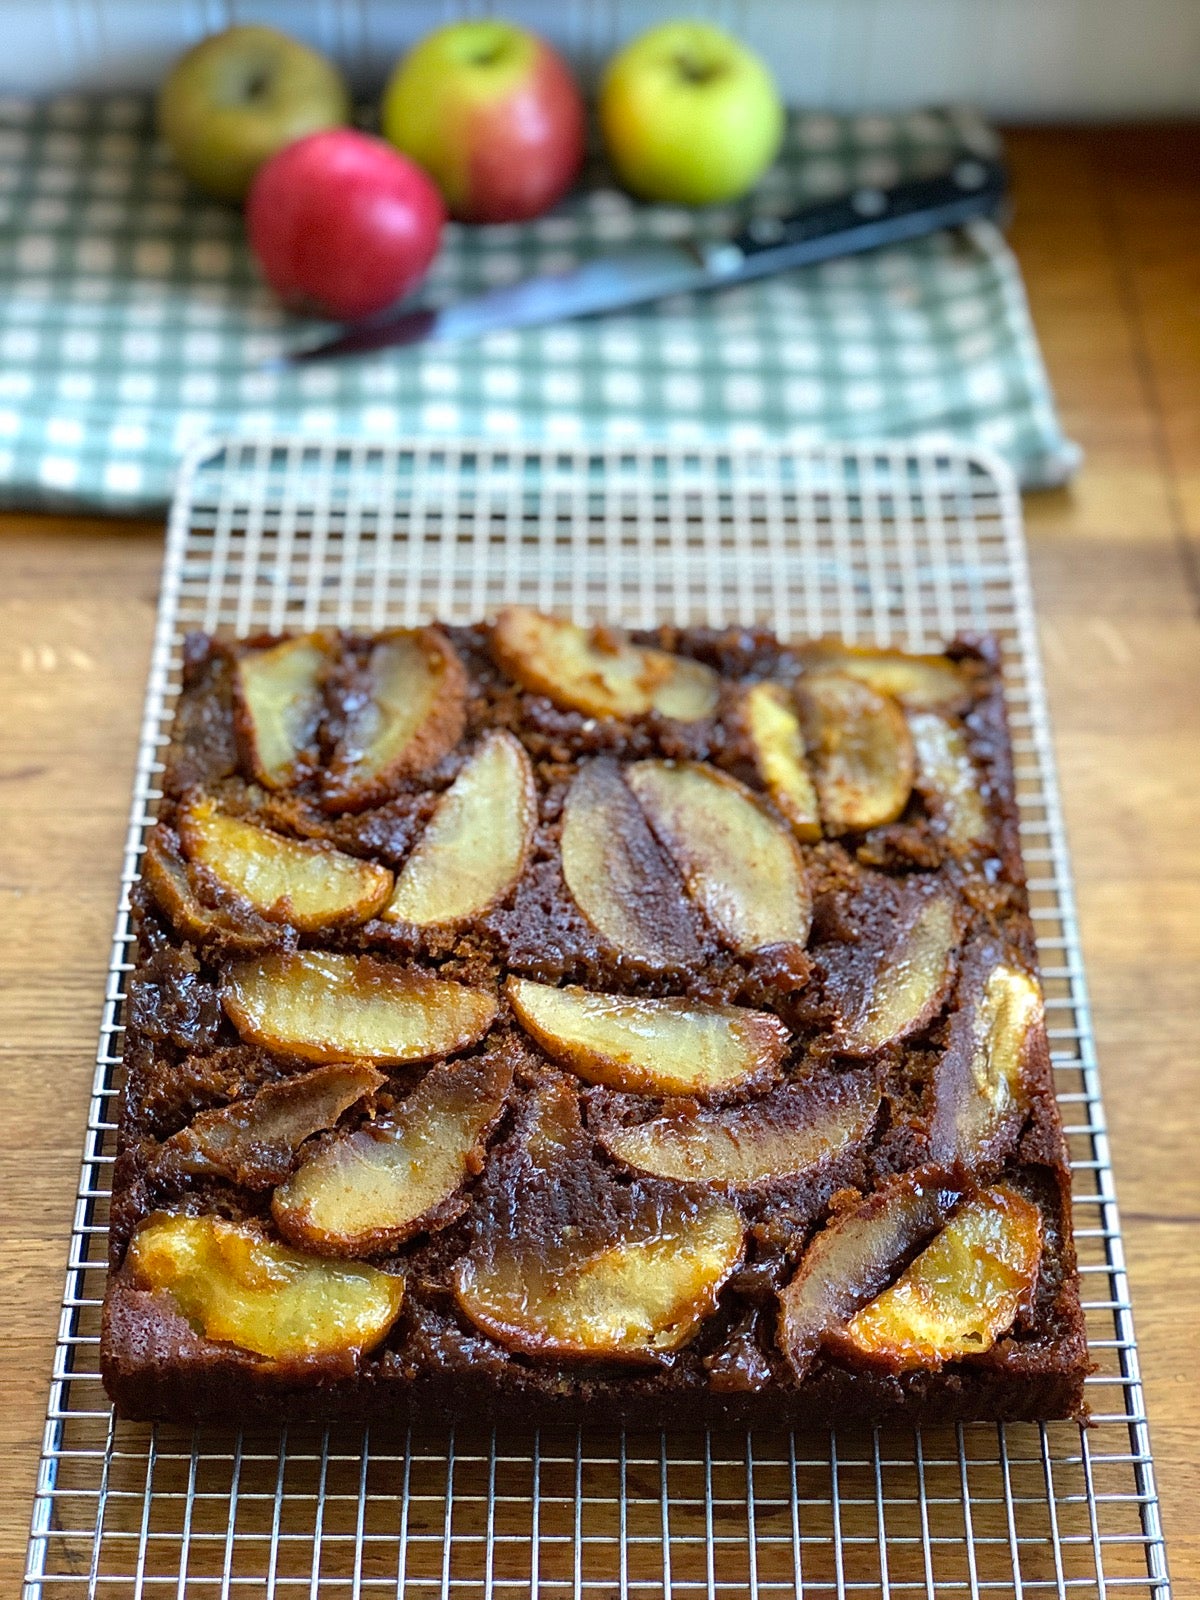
(132, 321)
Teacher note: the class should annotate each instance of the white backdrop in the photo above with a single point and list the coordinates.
(1016, 58)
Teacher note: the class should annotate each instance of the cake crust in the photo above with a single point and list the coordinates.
(783, 1086)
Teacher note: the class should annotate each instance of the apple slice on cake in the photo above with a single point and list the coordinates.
(279, 703)
(776, 737)
(474, 848)
(167, 875)
(623, 881)
(366, 1191)
(855, 1256)
(306, 884)
(961, 1293)
(948, 780)
(570, 1264)
(254, 1141)
(405, 715)
(918, 682)
(650, 1046)
(631, 1297)
(598, 671)
(332, 1007)
(981, 1086)
(236, 1286)
(894, 990)
(860, 749)
(785, 1134)
(737, 863)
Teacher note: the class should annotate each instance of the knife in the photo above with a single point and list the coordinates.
(866, 218)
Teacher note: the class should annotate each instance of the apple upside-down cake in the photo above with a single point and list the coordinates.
(546, 1024)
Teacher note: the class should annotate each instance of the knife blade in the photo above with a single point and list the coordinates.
(864, 219)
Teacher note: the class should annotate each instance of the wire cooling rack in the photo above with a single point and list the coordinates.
(879, 545)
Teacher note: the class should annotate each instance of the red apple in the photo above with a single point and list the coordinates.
(341, 222)
(493, 115)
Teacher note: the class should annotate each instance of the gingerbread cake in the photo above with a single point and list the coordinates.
(547, 1024)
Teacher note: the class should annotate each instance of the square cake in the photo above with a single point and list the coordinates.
(533, 1023)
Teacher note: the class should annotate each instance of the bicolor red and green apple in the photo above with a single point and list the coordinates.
(494, 116)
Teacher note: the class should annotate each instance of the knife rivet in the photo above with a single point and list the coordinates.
(723, 258)
(869, 202)
(766, 230)
(970, 175)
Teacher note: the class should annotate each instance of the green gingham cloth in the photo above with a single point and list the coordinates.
(132, 322)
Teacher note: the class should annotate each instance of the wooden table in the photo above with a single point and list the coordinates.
(1108, 230)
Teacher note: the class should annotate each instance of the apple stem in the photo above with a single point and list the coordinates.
(697, 71)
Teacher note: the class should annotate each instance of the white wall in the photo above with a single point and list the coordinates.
(1017, 58)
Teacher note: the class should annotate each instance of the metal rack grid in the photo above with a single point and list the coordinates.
(877, 544)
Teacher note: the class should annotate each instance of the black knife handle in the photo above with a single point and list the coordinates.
(864, 219)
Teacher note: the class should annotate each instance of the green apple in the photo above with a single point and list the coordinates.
(239, 96)
(689, 115)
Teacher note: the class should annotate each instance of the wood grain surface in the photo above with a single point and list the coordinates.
(1108, 231)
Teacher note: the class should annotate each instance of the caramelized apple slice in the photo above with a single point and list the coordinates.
(777, 739)
(855, 1256)
(919, 683)
(860, 749)
(902, 990)
(407, 714)
(650, 1046)
(634, 1296)
(618, 874)
(980, 1088)
(237, 1286)
(333, 1007)
(166, 874)
(253, 1142)
(960, 1294)
(738, 864)
(785, 1134)
(474, 848)
(279, 704)
(369, 1190)
(598, 671)
(947, 779)
(309, 885)
(570, 1260)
